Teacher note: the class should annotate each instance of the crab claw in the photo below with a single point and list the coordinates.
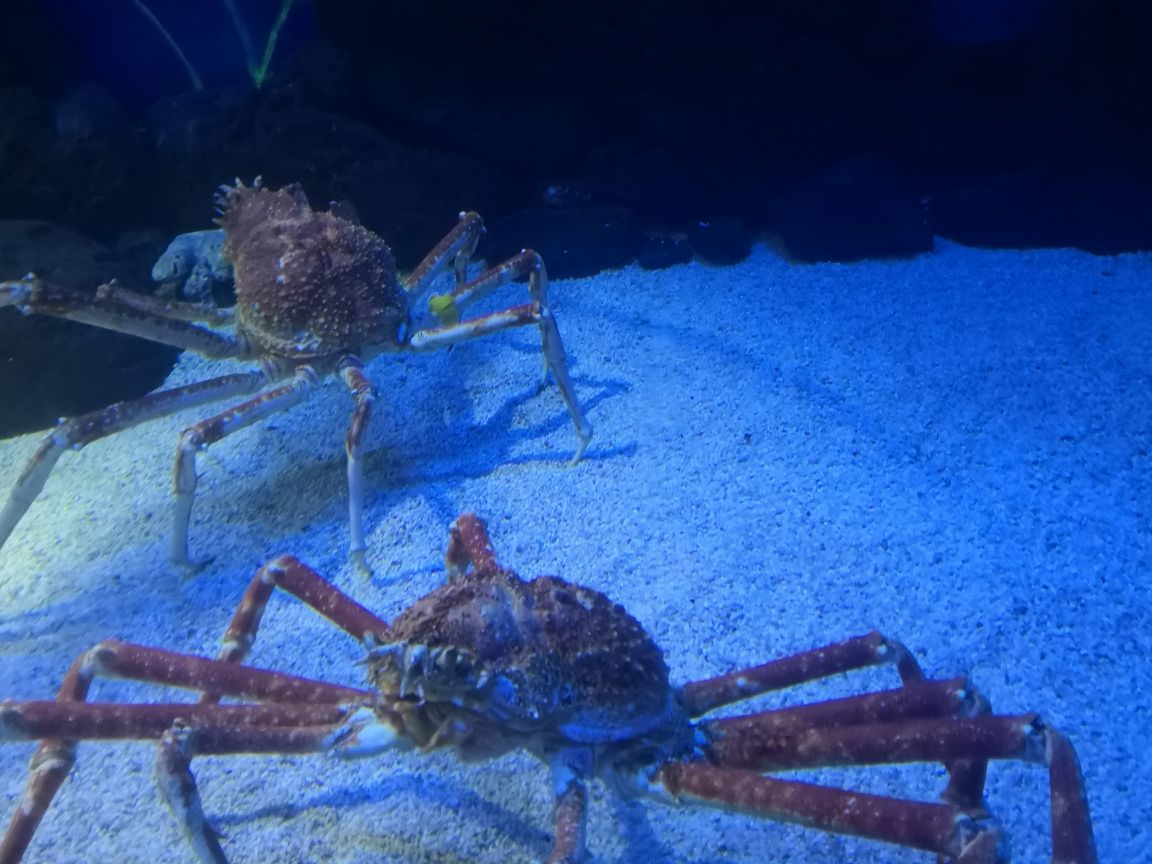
(367, 732)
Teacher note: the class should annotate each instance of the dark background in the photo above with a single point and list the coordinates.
(600, 133)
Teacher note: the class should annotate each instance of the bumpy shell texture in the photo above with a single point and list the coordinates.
(556, 655)
(308, 284)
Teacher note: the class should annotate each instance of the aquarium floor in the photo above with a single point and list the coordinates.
(952, 449)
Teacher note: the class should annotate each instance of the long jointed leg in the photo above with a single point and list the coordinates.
(470, 546)
(744, 739)
(361, 732)
(569, 772)
(352, 373)
(761, 740)
(298, 702)
(304, 583)
(107, 308)
(348, 730)
(537, 312)
(937, 828)
(966, 776)
(177, 785)
(196, 437)
(177, 309)
(700, 697)
(455, 249)
(290, 574)
(75, 433)
(174, 758)
(737, 747)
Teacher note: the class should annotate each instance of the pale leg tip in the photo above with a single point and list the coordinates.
(360, 561)
(189, 566)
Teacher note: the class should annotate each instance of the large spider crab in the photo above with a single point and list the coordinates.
(317, 294)
(489, 663)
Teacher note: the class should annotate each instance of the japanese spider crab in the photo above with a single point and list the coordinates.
(317, 294)
(489, 663)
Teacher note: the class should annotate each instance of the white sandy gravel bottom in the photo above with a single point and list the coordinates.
(952, 449)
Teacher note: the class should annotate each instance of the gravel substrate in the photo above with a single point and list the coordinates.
(952, 449)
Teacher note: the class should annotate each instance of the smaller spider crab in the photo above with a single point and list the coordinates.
(317, 294)
(490, 663)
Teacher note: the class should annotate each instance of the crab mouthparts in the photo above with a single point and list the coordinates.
(420, 672)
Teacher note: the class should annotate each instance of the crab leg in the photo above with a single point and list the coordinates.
(198, 436)
(703, 696)
(469, 544)
(348, 730)
(106, 308)
(447, 307)
(178, 309)
(174, 758)
(939, 828)
(364, 732)
(917, 700)
(68, 715)
(911, 740)
(570, 769)
(924, 826)
(456, 247)
(529, 264)
(966, 776)
(290, 574)
(78, 431)
(358, 384)
(113, 721)
(173, 767)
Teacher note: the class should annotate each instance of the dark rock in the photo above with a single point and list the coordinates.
(407, 195)
(78, 163)
(864, 208)
(200, 121)
(721, 240)
(661, 250)
(574, 241)
(1102, 211)
(52, 368)
(88, 111)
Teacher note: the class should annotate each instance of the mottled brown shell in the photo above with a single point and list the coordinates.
(571, 655)
(308, 283)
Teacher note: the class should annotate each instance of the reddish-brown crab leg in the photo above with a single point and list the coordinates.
(469, 545)
(184, 741)
(456, 248)
(78, 431)
(174, 757)
(966, 776)
(872, 649)
(198, 436)
(365, 731)
(526, 263)
(34, 296)
(919, 699)
(939, 828)
(570, 817)
(360, 387)
(52, 721)
(290, 574)
(216, 678)
(726, 778)
(348, 730)
(735, 741)
(764, 743)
